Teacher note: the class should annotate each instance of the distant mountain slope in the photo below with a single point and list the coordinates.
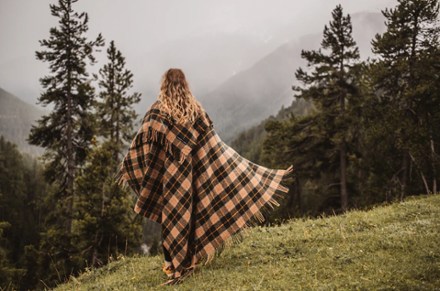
(249, 142)
(16, 119)
(207, 60)
(253, 94)
(202, 58)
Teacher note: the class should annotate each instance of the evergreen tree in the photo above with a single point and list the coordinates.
(21, 192)
(249, 143)
(12, 194)
(105, 222)
(276, 151)
(403, 79)
(65, 133)
(8, 274)
(115, 110)
(331, 85)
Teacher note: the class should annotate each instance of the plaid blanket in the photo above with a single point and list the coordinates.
(200, 189)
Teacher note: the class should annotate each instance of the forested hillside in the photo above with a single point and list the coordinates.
(249, 143)
(22, 215)
(371, 135)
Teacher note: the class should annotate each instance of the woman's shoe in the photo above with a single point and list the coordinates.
(168, 270)
(174, 281)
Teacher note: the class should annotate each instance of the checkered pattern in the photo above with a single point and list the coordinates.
(200, 189)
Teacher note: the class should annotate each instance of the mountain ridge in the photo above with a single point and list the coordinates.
(16, 119)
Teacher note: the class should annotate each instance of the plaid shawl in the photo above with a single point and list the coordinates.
(200, 189)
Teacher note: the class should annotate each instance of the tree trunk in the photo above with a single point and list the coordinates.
(343, 168)
(294, 203)
(342, 145)
(117, 135)
(95, 251)
(404, 183)
(70, 166)
(425, 182)
(69, 139)
(434, 170)
(298, 191)
(98, 238)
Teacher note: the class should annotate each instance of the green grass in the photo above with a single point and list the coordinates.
(393, 247)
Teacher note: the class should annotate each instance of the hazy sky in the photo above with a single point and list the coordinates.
(140, 27)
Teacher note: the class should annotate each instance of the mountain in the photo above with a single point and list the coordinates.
(16, 119)
(259, 91)
(251, 95)
(389, 247)
(207, 60)
(237, 93)
(202, 58)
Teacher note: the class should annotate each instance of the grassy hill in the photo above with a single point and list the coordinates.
(392, 247)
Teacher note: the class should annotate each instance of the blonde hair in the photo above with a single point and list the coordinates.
(176, 97)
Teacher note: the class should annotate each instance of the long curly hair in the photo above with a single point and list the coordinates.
(176, 98)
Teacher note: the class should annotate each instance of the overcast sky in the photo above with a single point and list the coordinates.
(142, 26)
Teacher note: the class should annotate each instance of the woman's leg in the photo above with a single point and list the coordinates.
(167, 267)
(166, 254)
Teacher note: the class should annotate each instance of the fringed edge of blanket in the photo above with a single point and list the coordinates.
(122, 178)
(150, 136)
(277, 193)
(153, 135)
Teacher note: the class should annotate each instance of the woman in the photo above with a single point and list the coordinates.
(186, 178)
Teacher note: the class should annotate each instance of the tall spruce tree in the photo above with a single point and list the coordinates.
(404, 77)
(67, 131)
(115, 109)
(105, 222)
(330, 84)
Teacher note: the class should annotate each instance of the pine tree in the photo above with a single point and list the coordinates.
(105, 218)
(65, 133)
(115, 110)
(331, 86)
(106, 225)
(404, 77)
